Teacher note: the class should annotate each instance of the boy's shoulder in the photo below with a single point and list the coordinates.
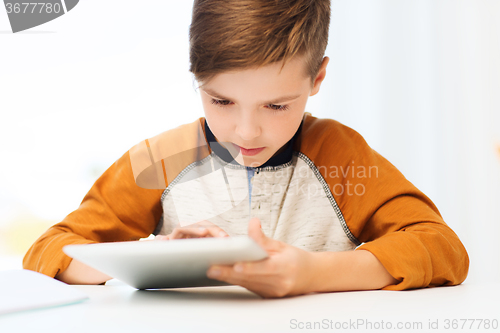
(324, 136)
(157, 160)
(180, 138)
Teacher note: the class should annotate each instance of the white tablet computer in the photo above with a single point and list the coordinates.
(174, 263)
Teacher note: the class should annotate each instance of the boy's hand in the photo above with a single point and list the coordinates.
(286, 272)
(196, 230)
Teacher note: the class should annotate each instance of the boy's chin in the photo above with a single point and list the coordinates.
(247, 161)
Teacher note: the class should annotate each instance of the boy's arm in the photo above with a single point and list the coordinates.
(115, 209)
(400, 226)
(395, 221)
(405, 242)
(349, 270)
(411, 240)
(79, 273)
(292, 271)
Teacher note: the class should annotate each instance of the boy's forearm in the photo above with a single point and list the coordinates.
(349, 270)
(79, 273)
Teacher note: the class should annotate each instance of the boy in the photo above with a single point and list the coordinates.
(331, 212)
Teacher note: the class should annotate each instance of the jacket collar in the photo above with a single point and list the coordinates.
(282, 158)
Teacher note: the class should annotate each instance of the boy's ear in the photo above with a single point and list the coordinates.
(320, 77)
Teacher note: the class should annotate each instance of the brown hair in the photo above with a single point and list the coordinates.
(227, 35)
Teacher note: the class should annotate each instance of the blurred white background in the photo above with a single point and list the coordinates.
(420, 80)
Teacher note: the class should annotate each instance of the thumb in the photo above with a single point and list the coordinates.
(255, 232)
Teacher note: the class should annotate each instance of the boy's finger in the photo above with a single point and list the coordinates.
(186, 232)
(213, 229)
(217, 232)
(255, 232)
(228, 274)
(254, 268)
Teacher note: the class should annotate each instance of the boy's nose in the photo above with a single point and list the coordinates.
(248, 128)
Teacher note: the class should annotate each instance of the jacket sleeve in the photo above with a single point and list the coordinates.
(405, 231)
(387, 214)
(115, 209)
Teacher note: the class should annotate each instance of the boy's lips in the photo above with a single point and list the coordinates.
(249, 151)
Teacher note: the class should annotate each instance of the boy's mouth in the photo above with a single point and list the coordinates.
(249, 151)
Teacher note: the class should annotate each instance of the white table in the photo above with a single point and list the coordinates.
(119, 308)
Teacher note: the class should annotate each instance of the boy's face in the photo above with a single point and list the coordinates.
(255, 112)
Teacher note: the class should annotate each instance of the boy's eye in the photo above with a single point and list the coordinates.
(220, 102)
(223, 103)
(278, 107)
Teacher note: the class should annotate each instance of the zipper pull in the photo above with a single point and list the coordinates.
(258, 170)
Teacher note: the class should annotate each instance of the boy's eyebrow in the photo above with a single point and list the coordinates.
(276, 100)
